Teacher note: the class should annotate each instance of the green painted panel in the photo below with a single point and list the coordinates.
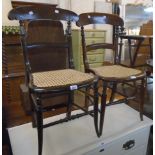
(96, 57)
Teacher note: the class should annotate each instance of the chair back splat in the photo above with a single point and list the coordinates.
(50, 75)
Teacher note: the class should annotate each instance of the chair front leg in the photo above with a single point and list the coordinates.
(39, 126)
(96, 109)
(99, 127)
(103, 105)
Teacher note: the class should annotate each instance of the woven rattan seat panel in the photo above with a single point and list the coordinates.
(60, 78)
(116, 71)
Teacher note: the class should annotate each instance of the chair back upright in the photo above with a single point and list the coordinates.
(45, 42)
(102, 19)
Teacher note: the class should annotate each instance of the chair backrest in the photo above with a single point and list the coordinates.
(102, 19)
(46, 45)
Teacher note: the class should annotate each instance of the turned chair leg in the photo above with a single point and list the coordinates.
(142, 93)
(39, 127)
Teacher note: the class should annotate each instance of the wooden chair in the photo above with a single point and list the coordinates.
(49, 67)
(109, 73)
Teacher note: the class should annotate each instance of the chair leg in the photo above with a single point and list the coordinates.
(33, 116)
(70, 103)
(39, 127)
(87, 99)
(142, 90)
(96, 109)
(33, 113)
(34, 123)
(99, 127)
(103, 105)
(114, 88)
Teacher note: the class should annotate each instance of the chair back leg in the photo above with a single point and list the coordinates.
(142, 93)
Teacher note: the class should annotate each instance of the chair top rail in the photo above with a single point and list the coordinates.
(42, 12)
(99, 18)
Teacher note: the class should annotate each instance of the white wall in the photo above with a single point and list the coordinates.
(6, 7)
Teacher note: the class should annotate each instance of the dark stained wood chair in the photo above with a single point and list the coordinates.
(109, 73)
(49, 67)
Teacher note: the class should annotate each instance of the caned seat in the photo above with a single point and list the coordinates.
(60, 78)
(117, 72)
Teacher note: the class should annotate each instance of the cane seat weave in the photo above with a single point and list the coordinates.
(60, 78)
(116, 71)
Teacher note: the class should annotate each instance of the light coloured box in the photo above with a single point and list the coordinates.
(78, 137)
